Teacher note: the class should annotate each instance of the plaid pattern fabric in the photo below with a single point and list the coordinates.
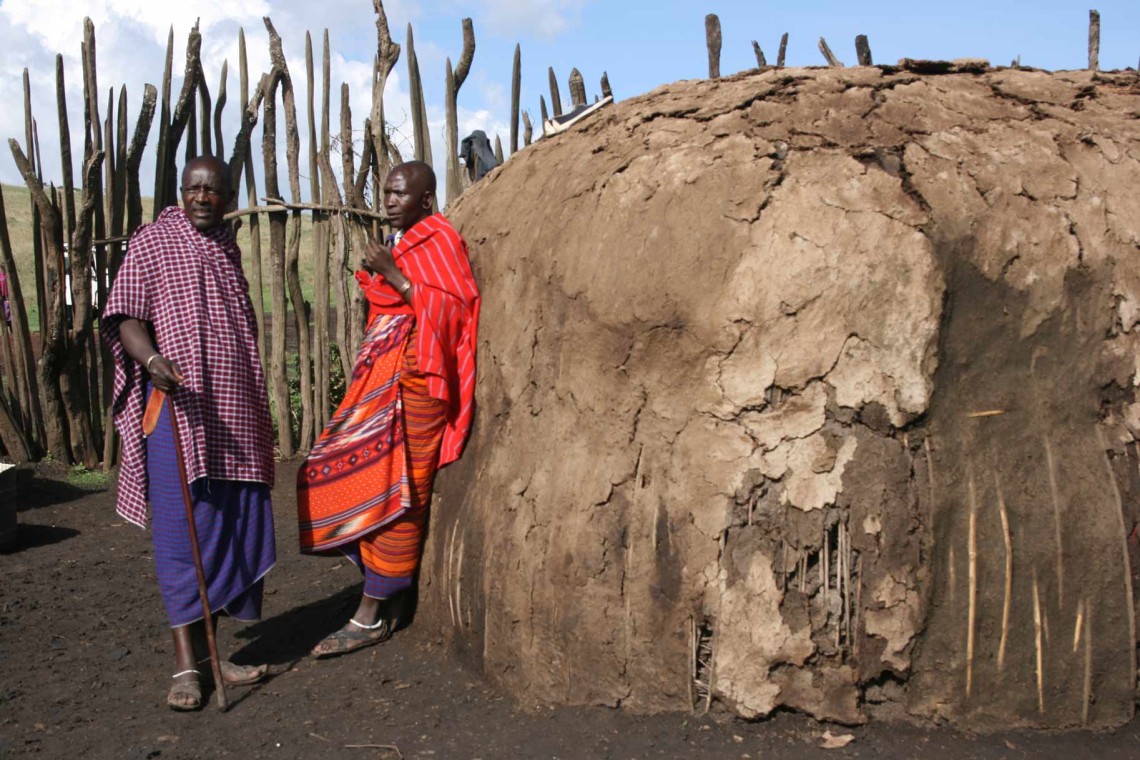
(190, 287)
(434, 257)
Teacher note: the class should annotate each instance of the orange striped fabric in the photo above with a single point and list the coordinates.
(368, 479)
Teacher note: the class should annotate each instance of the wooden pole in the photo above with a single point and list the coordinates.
(543, 114)
(528, 128)
(831, 59)
(555, 97)
(219, 146)
(761, 61)
(134, 157)
(300, 319)
(243, 159)
(320, 256)
(277, 231)
(713, 42)
(516, 92)
(577, 88)
(163, 130)
(863, 50)
(51, 313)
(35, 408)
(205, 121)
(783, 51)
(23, 359)
(1094, 40)
(499, 150)
(607, 91)
(453, 82)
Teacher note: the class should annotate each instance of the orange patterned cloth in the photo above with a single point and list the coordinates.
(368, 479)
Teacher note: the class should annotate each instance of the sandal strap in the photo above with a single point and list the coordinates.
(186, 672)
(381, 622)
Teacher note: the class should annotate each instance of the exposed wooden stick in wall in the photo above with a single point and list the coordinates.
(780, 56)
(1039, 647)
(1056, 501)
(542, 112)
(516, 92)
(219, 144)
(972, 612)
(607, 91)
(832, 61)
(761, 61)
(1094, 40)
(1126, 566)
(528, 128)
(555, 96)
(713, 43)
(1087, 690)
(863, 50)
(1008, 588)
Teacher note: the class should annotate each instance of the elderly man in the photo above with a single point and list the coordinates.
(365, 488)
(179, 319)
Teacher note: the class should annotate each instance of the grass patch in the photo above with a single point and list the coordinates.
(89, 480)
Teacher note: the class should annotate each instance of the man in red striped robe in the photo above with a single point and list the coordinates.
(365, 488)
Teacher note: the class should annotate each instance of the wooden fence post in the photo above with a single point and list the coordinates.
(320, 258)
(516, 92)
(607, 91)
(831, 59)
(1094, 40)
(555, 97)
(713, 42)
(863, 50)
(528, 128)
(453, 81)
(577, 89)
(219, 145)
(761, 61)
(783, 51)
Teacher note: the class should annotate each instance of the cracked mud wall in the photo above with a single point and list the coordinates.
(779, 374)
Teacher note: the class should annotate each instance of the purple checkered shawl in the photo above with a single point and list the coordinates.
(190, 287)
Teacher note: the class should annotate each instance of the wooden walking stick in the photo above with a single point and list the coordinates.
(149, 423)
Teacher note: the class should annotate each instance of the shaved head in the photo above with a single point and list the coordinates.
(418, 174)
(409, 194)
(212, 163)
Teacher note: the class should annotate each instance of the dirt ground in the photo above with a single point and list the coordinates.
(85, 660)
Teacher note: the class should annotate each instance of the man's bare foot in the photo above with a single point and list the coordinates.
(186, 692)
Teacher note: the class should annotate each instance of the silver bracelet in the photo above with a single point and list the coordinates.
(152, 358)
(406, 287)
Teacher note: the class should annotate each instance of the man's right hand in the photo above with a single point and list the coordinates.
(165, 374)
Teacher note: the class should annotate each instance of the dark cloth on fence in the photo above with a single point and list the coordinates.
(235, 533)
(477, 155)
(190, 287)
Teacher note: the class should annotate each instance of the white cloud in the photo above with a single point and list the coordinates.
(131, 38)
(541, 18)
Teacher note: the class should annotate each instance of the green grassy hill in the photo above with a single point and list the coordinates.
(17, 207)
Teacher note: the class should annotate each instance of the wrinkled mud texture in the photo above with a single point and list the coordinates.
(809, 389)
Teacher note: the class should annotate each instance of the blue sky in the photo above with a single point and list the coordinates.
(640, 44)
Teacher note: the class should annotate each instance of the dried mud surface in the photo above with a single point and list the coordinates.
(85, 660)
(810, 389)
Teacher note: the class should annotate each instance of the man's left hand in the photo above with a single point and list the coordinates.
(378, 258)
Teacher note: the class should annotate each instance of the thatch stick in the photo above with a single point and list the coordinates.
(1087, 691)
(831, 59)
(516, 92)
(1126, 568)
(1039, 646)
(863, 50)
(1094, 40)
(783, 50)
(713, 42)
(973, 581)
(1055, 494)
(1007, 536)
(761, 61)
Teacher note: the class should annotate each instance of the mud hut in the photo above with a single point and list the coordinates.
(809, 389)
